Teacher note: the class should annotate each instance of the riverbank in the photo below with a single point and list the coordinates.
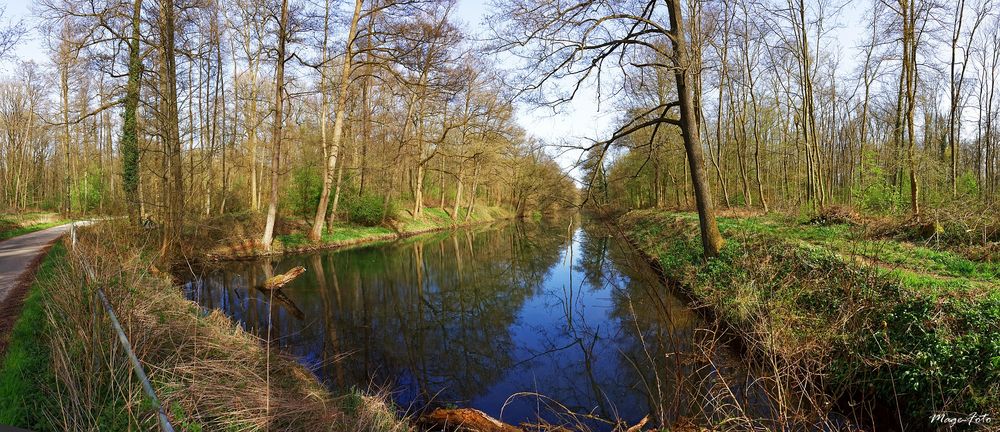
(847, 315)
(66, 371)
(293, 236)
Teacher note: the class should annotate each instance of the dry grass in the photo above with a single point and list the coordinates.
(208, 372)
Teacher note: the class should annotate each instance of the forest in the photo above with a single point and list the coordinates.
(381, 215)
(175, 113)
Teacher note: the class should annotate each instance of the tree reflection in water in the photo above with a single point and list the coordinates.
(474, 316)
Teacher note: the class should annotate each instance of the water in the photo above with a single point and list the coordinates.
(553, 320)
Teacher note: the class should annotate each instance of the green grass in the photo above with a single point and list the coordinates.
(892, 318)
(26, 372)
(21, 230)
(432, 219)
(901, 257)
(348, 233)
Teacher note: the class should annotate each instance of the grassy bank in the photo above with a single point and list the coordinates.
(293, 235)
(66, 370)
(842, 314)
(13, 225)
(25, 373)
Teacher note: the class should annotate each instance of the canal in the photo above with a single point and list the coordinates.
(555, 320)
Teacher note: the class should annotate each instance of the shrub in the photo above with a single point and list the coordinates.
(369, 210)
(937, 350)
(968, 186)
(875, 193)
(88, 192)
(303, 192)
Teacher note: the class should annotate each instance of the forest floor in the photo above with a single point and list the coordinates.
(879, 313)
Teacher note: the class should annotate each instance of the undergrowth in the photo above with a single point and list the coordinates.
(845, 315)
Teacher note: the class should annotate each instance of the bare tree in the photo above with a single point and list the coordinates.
(169, 124)
(276, 129)
(338, 125)
(587, 41)
(10, 34)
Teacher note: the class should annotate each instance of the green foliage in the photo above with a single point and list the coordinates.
(303, 192)
(14, 232)
(435, 213)
(352, 401)
(88, 192)
(348, 233)
(182, 421)
(293, 240)
(925, 332)
(367, 210)
(129, 143)
(26, 372)
(876, 193)
(940, 350)
(968, 186)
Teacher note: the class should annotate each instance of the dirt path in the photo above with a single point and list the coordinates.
(19, 258)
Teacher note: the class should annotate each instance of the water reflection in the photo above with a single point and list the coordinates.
(488, 318)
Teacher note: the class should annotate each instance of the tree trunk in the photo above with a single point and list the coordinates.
(279, 90)
(130, 130)
(908, 9)
(712, 241)
(319, 221)
(472, 192)
(170, 122)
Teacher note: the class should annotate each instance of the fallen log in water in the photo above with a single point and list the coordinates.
(473, 420)
(280, 298)
(465, 420)
(278, 281)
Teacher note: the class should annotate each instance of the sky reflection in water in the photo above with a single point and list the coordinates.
(489, 318)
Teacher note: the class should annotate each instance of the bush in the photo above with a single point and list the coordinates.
(948, 349)
(88, 192)
(968, 186)
(876, 193)
(367, 210)
(303, 192)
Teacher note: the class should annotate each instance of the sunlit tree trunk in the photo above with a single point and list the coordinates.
(338, 127)
(170, 125)
(276, 131)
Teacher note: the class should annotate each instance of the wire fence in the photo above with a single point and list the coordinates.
(140, 372)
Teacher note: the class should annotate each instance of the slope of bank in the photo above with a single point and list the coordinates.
(67, 371)
(293, 236)
(845, 317)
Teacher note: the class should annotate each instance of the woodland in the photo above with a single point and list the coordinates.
(821, 176)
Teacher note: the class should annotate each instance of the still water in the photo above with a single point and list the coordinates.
(557, 320)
